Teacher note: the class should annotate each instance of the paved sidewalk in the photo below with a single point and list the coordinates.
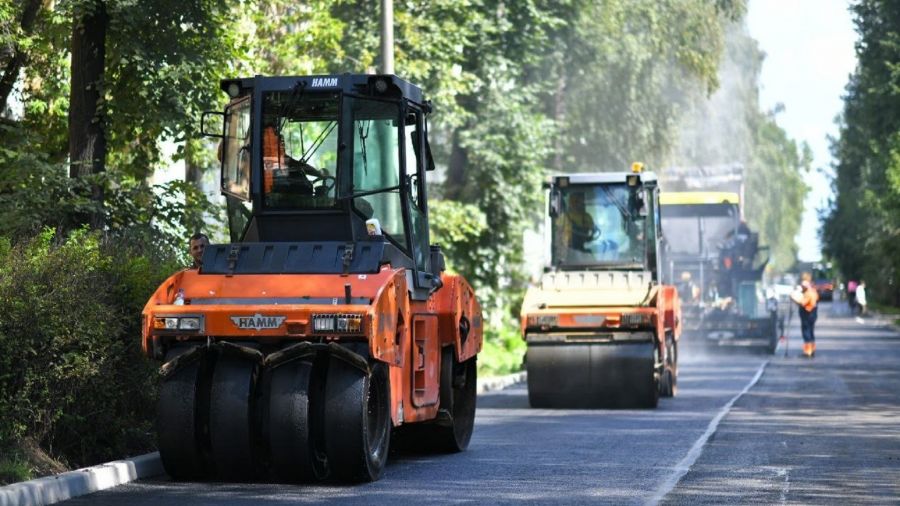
(820, 431)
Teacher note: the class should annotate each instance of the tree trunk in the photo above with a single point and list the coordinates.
(17, 60)
(559, 115)
(454, 185)
(193, 171)
(87, 140)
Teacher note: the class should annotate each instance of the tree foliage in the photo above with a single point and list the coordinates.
(519, 89)
(624, 72)
(728, 128)
(163, 62)
(72, 376)
(861, 229)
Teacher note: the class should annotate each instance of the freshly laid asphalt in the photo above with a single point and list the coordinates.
(823, 431)
(820, 431)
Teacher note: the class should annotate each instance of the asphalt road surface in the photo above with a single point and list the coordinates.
(819, 431)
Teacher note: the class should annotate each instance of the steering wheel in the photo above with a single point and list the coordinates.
(324, 181)
(589, 235)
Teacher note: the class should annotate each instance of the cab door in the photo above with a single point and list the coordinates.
(415, 155)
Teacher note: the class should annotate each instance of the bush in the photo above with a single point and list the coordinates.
(503, 352)
(14, 470)
(72, 376)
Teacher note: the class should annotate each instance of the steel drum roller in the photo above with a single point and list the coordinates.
(591, 375)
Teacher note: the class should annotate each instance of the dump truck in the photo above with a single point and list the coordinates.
(327, 322)
(717, 264)
(601, 329)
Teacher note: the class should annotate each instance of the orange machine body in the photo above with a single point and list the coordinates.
(662, 310)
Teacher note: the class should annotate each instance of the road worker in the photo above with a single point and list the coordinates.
(580, 224)
(197, 245)
(807, 298)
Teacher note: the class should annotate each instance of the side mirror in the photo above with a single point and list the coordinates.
(204, 131)
(429, 160)
(555, 203)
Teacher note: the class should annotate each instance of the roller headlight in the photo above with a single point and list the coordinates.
(543, 320)
(636, 320)
(331, 323)
(191, 324)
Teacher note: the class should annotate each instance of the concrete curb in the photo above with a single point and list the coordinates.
(60, 487)
(500, 382)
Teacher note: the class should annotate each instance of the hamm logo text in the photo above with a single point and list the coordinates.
(258, 322)
(324, 82)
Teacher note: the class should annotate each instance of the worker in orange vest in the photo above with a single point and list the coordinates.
(807, 298)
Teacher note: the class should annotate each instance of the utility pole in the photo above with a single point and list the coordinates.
(387, 36)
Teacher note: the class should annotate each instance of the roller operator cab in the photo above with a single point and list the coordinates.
(327, 324)
(601, 329)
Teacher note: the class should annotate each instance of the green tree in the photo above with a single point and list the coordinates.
(142, 74)
(861, 230)
(728, 128)
(626, 70)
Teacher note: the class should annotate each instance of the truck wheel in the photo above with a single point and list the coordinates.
(357, 421)
(295, 453)
(181, 421)
(668, 382)
(651, 400)
(231, 418)
(459, 386)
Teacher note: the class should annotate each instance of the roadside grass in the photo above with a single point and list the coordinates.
(887, 310)
(503, 352)
(24, 460)
(14, 469)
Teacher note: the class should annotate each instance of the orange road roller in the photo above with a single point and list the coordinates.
(328, 322)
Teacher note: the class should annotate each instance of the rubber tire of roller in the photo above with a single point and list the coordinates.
(668, 381)
(180, 424)
(653, 401)
(460, 391)
(231, 420)
(357, 422)
(292, 449)
(673, 352)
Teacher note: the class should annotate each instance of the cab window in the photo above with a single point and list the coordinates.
(236, 150)
(376, 166)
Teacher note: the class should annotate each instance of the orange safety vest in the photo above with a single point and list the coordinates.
(273, 156)
(810, 299)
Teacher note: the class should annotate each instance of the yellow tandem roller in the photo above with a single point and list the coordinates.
(601, 330)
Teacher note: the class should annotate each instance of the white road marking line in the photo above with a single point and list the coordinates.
(786, 485)
(693, 454)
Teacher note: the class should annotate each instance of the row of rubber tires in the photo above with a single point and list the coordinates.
(224, 416)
